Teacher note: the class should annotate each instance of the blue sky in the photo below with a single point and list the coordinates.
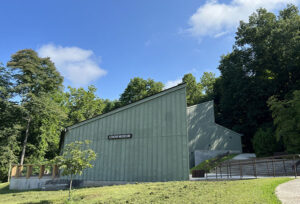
(108, 42)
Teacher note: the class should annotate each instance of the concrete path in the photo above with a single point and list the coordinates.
(289, 192)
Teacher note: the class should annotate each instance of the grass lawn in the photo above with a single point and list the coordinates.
(242, 191)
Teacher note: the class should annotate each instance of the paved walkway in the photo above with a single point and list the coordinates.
(289, 192)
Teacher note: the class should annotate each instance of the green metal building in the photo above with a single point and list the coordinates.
(143, 141)
(155, 139)
(208, 139)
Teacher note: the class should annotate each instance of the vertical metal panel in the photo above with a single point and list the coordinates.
(158, 149)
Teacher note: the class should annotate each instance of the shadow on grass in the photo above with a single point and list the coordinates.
(41, 202)
(5, 190)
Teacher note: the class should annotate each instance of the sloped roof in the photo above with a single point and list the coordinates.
(164, 92)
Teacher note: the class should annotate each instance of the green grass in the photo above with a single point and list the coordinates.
(242, 191)
(209, 164)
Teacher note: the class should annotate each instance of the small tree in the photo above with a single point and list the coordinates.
(75, 158)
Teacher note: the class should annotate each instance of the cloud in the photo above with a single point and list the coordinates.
(215, 19)
(77, 65)
(171, 83)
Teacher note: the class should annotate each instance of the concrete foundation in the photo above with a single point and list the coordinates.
(22, 183)
(47, 183)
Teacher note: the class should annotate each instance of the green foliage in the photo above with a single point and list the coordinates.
(139, 88)
(286, 114)
(51, 119)
(264, 141)
(238, 192)
(210, 164)
(81, 104)
(9, 148)
(75, 158)
(34, 79)
(9, 125)
(207, 81)
(110, 105)
(33, 75)
(193, 89)
(264, 62)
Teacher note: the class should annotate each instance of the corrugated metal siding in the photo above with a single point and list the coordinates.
(158, 150)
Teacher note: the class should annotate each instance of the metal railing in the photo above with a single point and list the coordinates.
(276, 166)
(34, 170)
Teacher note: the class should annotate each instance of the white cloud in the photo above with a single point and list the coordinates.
(216, 19)
(171, 83)
(76, 64)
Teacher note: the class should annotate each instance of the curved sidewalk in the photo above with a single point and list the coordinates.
(289, 192)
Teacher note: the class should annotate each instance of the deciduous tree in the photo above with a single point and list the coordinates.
(75, 158)
(193, 89)
(139, 88)
(286, 114)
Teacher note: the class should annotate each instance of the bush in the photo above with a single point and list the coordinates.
(286, 115)
(264, 141)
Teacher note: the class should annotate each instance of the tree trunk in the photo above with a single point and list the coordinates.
(9, 171)
(70, 188)
(25, 141)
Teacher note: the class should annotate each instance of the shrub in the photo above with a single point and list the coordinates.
(264, 141)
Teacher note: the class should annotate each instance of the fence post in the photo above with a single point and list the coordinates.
(268, 168)
(295, 167)
(273, 167)
(19, 170)
(29, 171)
(216, 172)
(42, 169)
(230, 169)
(284, 167)
(254, 168)
(221, 171)
(54, 171)
(241, 171)
(227, 171)
(13, 172)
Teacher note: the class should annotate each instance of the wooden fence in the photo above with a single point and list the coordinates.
(31, 170)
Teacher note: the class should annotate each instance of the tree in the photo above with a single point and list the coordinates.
(75, 158)
(193, 90)
(264, 62)
(264, 141)
(110, 105)
(81, 104)
(34, 77)
(49, 120)
(139, 88)
(207, 81)
(9, 148)
(286, 114)
(9, 125)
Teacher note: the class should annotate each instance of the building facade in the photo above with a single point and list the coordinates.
(143, 141)
(208, 139)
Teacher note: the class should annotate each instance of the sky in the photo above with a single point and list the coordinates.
(106, 43)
